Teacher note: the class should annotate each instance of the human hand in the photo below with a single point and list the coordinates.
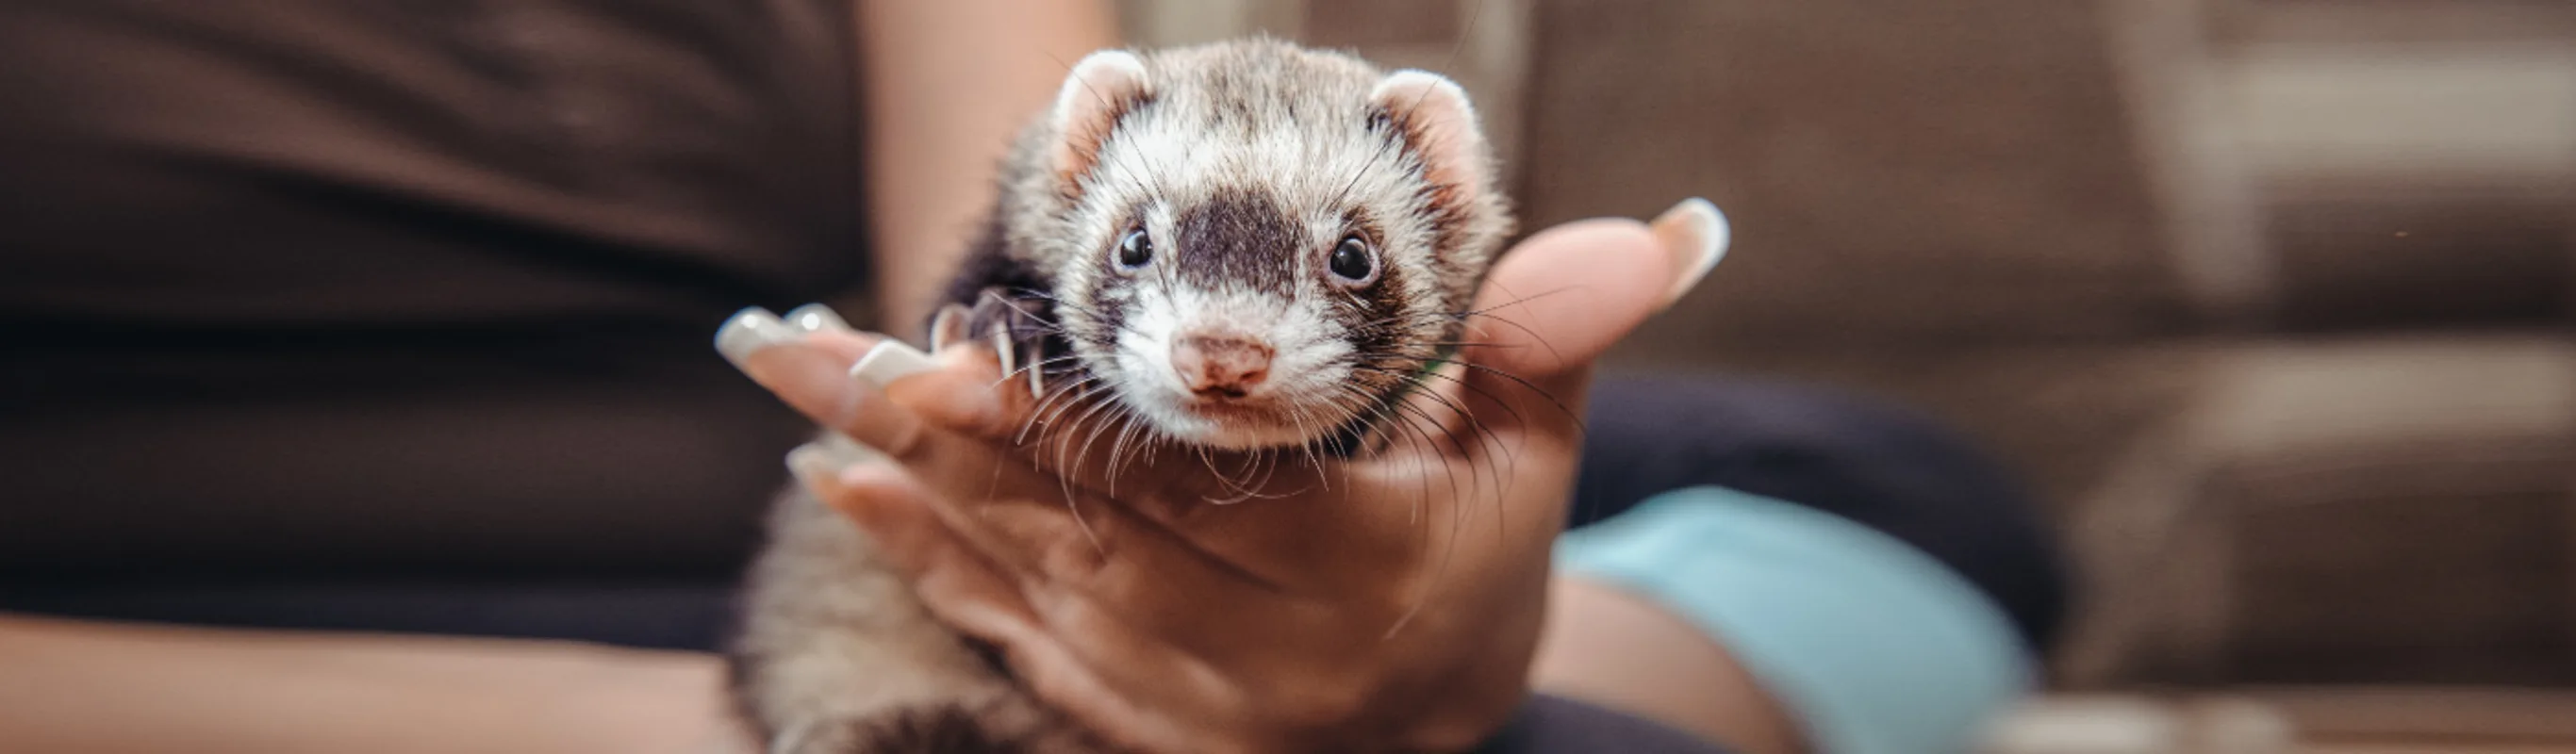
(1385, 603)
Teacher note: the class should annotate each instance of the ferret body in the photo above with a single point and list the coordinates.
(1240, 245)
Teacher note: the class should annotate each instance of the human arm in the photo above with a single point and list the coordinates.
(942, 80)
(108, 688)
(945, 86)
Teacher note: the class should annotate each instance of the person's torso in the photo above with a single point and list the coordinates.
(404, 287)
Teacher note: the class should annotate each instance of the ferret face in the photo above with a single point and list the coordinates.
(1266, 244)
(1232, 318)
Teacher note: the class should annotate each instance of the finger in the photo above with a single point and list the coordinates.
(1058, 564)
(1071, 686)
(1552, 306)
(807, 365)
(967, 393)
(961, 586)
(1097, 566)
(1060, 646)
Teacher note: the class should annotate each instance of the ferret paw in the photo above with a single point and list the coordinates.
(1022, 330)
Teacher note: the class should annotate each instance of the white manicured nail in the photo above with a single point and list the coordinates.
(751, 330)
(816, 318)
(890, 360)
(1697, 235)
(825, 458)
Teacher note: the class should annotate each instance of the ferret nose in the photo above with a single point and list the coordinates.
(1220, 365)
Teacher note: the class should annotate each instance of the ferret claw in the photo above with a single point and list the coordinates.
(1002, 347)
(1017, 328)
(950, 327)
(1037, 372)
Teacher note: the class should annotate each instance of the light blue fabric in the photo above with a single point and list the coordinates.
(1875, 646)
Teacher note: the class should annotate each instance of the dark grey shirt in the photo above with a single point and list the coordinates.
(326, 294)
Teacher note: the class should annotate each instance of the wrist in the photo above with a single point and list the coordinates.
(1488, 682)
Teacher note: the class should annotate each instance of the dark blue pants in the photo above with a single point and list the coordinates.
(1872, 464)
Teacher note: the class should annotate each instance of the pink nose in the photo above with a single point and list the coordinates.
(1220, 365)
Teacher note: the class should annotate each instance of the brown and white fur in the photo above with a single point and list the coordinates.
(1255, 173)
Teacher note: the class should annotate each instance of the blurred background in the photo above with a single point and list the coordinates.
(2268, 298)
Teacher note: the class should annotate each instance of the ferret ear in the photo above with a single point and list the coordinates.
(1440, 125)
(1101, 89)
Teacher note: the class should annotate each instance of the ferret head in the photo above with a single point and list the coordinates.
(1257, 244)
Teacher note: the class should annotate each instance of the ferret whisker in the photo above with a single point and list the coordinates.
(1051, 437)
(1488, 395)
(996, 296)
(1526, 384)
(1022, 371)
(1423, 533)
(1451, 434)
(1299, 416)
(1120, 447)
(1502, 475)
(1386, 144)
(1064, 477)
(1039, 415)
(1249, 485)
(1432, 316)
(1488, 314)
(1055, 404)
(1220, 476)
(1062, 469)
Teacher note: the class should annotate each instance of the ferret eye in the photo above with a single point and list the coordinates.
(1354, 262)
(1135, 249)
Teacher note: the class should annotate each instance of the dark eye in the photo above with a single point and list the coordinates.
(1134, 249)
(1354, 262)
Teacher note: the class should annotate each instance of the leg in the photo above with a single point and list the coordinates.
(1880, 467)
(1882, 583)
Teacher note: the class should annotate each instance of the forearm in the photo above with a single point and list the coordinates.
(90, 687)
(947, 86)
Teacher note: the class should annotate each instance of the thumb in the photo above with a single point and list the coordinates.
(1562, 298)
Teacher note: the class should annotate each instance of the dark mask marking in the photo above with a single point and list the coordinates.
(1237, 237)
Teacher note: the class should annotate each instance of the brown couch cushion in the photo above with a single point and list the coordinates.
(2417, 252)
(2391, 510)
(1895, 171)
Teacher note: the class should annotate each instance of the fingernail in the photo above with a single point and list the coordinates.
(845, 451)
(751, 330)
(1697, 235)
(811, 379)
(824, 459)
(890, 360)
(816, 318)
(815, 467)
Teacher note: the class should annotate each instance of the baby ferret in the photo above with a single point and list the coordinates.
(1241, 245)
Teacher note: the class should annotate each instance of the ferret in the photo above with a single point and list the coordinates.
(1241, 245)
